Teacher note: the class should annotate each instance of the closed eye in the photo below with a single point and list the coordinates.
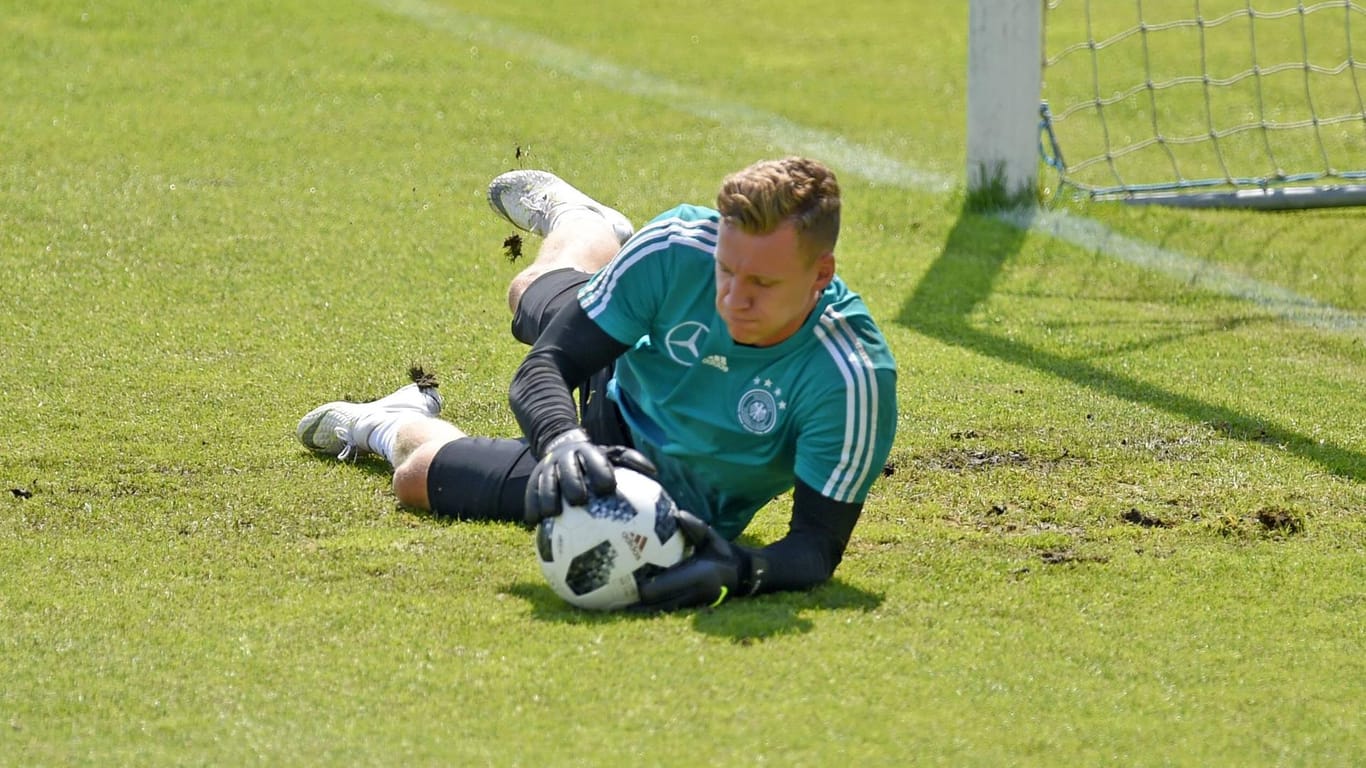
(758, 282)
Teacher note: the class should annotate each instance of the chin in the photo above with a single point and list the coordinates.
(743, 333)
(750, 339)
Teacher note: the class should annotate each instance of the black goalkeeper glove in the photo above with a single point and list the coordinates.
(716, 570)
(572, 469)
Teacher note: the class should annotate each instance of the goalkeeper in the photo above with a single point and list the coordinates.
(714, 348)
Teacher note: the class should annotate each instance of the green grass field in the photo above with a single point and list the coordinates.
(1124, 524)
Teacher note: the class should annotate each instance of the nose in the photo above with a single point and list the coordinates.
(734, 296)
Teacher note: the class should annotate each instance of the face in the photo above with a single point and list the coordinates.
(764, 286)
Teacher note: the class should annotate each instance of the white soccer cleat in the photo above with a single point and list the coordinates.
(535, 200)
(341, 429)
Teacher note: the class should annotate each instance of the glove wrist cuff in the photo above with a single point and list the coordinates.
(568, 436)
(755, 573)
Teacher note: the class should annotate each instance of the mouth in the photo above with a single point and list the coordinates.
(742, 330)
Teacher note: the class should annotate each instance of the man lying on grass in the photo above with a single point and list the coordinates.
(714, 348)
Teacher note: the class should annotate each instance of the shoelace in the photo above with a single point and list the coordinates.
(349, 450)
(539, 205)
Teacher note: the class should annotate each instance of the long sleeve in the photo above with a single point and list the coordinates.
(570, 350)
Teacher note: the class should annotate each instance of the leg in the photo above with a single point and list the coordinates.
(416, 444)
(437, 467)
(585, 244)
(344, 429)
(480, 478)
(580, 232)
(402, 427)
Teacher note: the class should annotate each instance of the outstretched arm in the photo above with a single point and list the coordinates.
(814, 544)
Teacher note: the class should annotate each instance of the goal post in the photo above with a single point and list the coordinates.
(1213, 103)
(1005, 57)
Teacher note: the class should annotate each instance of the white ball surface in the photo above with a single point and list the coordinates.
(593, 555)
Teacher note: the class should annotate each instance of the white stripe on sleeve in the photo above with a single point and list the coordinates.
(860, 405)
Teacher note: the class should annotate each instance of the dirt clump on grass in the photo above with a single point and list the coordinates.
(967, 460)
(1280, 519)
(1140, 518)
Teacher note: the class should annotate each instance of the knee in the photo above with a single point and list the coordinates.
(410, 478)
(410, 487)
(523, 280)
(518, 287)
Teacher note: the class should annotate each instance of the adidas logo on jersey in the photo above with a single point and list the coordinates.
(716, 361)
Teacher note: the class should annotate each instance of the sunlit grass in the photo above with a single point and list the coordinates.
(1121, 523)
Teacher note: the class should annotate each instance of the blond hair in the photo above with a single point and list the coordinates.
(761, 197)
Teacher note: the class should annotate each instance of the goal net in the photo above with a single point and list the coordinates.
(1258, 103)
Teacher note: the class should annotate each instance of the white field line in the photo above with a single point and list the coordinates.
(869, 163)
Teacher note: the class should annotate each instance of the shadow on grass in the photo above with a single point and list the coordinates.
(963, 276)
(368, 463)
(741, 621)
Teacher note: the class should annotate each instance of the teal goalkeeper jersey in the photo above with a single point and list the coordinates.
(730, 426)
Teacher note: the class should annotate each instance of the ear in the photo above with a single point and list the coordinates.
(825, 270)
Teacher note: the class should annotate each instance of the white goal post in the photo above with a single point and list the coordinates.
(1005, 78)
(1228, 103)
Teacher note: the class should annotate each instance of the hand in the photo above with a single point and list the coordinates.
(572, 469)
(715, 570)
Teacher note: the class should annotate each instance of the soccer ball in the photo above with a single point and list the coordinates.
(594, 555)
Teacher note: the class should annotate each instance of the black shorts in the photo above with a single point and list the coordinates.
(481, 478)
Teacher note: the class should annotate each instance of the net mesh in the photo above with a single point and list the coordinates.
(1152, 96)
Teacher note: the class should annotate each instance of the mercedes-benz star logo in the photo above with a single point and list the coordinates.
(683, 342)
